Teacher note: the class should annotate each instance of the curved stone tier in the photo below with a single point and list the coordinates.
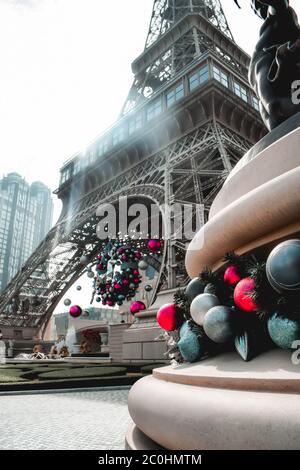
(221, 403)
(258, 205)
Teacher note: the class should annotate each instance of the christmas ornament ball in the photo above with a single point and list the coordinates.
(148, 288)
(78, 288)
(243, 295)
(194, 288)
(67, 302)
(189, 344)
(143, 265)
(232, 276)
(90, 275)
(219, 324)
(210, 289)
(75, 311)
(136, 307)
(201, 305)
(283, 331)
(83, 260)
(154, 245)
(168, 318)
(283, 267)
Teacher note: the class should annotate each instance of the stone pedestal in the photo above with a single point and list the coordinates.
(219, 404)
(225, 403)
(140, 340)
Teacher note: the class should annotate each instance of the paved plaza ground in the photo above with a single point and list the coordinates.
(76, 420)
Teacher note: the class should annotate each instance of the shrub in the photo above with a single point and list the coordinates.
(149, 368)
(82, 373)
(11, 375)
(35, 371)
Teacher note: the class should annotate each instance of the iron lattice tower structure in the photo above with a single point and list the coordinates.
(189, 117)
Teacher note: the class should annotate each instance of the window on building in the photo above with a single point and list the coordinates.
(255, 103)
(118, 135)
(240, 91)
(90, 156)
(220, 76)
(135, 124)
(77, 166)
(198, 77)
(176, 94)
(65, 175)
(154, 109)
(103, 147)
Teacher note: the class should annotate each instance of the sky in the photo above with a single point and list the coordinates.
(65, 73)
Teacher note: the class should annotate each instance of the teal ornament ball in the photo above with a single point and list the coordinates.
(283, 331)
(189, 344)
(194, 288)
(219, 324)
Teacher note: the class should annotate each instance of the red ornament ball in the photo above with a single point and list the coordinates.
(231, 276)
(154, 245)
(75, 311)
(136, 307)
(167, 317)
(242, 295)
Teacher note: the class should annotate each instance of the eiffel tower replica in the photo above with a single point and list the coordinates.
(189, 117)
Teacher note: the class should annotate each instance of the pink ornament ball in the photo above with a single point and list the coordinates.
(231, 276)
(154, 245)
(117, 286)
(136, 307)
(167, 317)
(110, 303)
(138, 254)
(242, 295)
(75, 311)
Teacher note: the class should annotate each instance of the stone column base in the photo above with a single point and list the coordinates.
(219, 404)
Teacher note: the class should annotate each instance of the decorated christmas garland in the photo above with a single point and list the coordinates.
(250, 306)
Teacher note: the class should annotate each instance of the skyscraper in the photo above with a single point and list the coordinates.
(25, 218)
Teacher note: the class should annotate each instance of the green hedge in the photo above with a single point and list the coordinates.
(11, 375)
(149, 368)
(35, 371)
(82, 373)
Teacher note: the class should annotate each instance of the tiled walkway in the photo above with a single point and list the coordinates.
(76, 420)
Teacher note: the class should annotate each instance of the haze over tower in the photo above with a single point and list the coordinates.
(189, 117)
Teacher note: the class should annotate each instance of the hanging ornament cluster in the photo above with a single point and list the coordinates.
(251, 306)
(118, 275)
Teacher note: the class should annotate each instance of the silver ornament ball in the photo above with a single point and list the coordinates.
(201, 305)
(83, 260)
(143, 265)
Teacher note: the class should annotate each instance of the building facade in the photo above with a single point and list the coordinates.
(25, 218)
